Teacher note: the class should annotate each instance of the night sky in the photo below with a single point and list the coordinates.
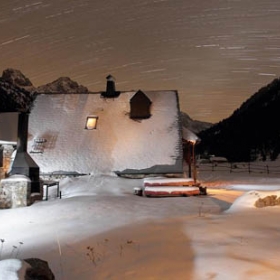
(216, 53)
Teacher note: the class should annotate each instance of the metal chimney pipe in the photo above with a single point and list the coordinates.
(23, 164)
(22, 132)
(110, 88)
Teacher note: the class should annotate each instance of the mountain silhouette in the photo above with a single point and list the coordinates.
(251, 132)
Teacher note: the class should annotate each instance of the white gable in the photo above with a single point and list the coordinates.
(117, 144)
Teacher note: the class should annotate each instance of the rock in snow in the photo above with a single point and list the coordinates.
(29, 269)
(39, 270)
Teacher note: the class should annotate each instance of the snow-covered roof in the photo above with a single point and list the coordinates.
(119, 143)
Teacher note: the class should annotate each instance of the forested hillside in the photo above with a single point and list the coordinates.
(252, 131)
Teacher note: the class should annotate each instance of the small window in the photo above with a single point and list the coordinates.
(140, 106)
(91, 122)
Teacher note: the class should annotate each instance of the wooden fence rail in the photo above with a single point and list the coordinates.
(246, 167)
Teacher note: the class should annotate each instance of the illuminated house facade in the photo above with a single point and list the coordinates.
(129, 133)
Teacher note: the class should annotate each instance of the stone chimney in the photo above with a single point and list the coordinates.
(110, 88)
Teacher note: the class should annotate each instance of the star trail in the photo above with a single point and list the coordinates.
(216, 53)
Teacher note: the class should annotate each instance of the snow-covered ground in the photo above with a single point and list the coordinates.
(101, 230)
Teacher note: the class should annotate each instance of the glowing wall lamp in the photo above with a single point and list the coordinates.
(91, 122)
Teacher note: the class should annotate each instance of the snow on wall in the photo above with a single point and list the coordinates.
(118, 143)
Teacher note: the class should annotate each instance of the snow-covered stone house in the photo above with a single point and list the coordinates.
(131, 133)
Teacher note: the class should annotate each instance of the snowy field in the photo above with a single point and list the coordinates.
(101, 230)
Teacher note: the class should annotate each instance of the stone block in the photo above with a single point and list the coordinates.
(28, 269)
(39, 270)
(15, 191)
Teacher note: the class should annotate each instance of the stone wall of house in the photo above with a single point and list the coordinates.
(7, 160)
(15, 191)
